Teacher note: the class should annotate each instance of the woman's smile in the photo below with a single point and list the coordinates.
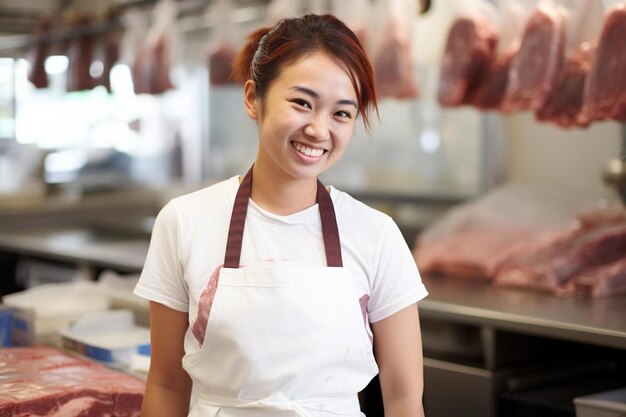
(307, 150)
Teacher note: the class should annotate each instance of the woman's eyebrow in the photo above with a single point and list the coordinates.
(313, 94)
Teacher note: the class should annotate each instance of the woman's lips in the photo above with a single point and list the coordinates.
(307, 150)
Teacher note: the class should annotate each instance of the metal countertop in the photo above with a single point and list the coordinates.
(599, 321)
(126, 253)
(595, 321)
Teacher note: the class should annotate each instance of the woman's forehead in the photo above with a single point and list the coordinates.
(318, 66)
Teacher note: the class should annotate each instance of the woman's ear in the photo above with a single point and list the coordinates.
(250, 100)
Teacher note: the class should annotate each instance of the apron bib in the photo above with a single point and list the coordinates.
(281, 340)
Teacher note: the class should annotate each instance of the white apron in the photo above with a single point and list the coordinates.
(281, 341)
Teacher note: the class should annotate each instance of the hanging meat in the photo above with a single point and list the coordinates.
(393, 65)
(605, 92)
(80, 53)
(563, 105)
(538, 61)
(151, 68)
(109, 54)
(38, 54)
(489, 93)
(160, 67)
(221, 51)
(141, 73)
(220, 60)
(392, 59)
(469, 49)
(132, 42)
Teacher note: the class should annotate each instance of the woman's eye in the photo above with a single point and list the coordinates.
(344, 114)
(301, 102)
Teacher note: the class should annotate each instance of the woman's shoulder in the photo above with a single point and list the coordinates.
(209, 196)
(198, 206)
(345, 203)
(351, 211)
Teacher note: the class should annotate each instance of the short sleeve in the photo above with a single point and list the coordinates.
(162, 277)
(397, 283)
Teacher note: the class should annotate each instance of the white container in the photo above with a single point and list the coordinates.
(119, 289)
(110, 337)
(603, 404)
(40, 311)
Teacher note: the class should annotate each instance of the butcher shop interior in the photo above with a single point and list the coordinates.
(499, 150)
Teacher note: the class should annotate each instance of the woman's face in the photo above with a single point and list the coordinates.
(306, 118)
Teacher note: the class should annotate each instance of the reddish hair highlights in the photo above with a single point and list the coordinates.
(268, 49)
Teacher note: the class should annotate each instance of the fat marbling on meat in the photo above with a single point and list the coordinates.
(44, 381)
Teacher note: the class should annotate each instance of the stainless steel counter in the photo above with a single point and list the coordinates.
(476, 336)
(598, 321)
(82, 246)
(103, 230)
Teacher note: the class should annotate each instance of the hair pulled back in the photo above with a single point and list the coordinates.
(267, 49)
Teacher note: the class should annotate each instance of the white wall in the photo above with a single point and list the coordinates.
(561, 160)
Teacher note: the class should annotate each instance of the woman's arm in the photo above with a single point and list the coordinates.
(168, 388)
(398, 348)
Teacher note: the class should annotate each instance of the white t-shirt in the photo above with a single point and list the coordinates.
(189, 242)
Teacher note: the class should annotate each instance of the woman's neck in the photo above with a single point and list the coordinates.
(280, 195)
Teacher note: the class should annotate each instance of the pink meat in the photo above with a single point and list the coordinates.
(198, 328)
(220, 60)
(549, 263)
(563, 105)
(160, 67)
(607, 280)
(469, 50)
(111, 54)
(37, 55)
(80, 53)
(491, 89)
(41, 381)
(23, 361)
(599, 248)
(393, 65)
(151, 69)
(537, 63)
(473, 253)
(605, 92)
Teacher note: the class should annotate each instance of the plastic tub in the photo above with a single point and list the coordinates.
(604, 404)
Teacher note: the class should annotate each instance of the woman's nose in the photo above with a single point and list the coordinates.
(318, 128)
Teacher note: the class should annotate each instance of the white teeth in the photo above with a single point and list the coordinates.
(307, 151)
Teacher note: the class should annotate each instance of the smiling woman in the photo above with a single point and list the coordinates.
(305, 121)
(305, 84)
(273, 291)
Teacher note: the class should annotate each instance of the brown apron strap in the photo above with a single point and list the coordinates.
(237, 222)
(332, 244)
(330, 232)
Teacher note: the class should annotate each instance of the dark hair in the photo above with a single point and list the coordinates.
(267, 49)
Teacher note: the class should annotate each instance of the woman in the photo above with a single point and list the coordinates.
(273, 319)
